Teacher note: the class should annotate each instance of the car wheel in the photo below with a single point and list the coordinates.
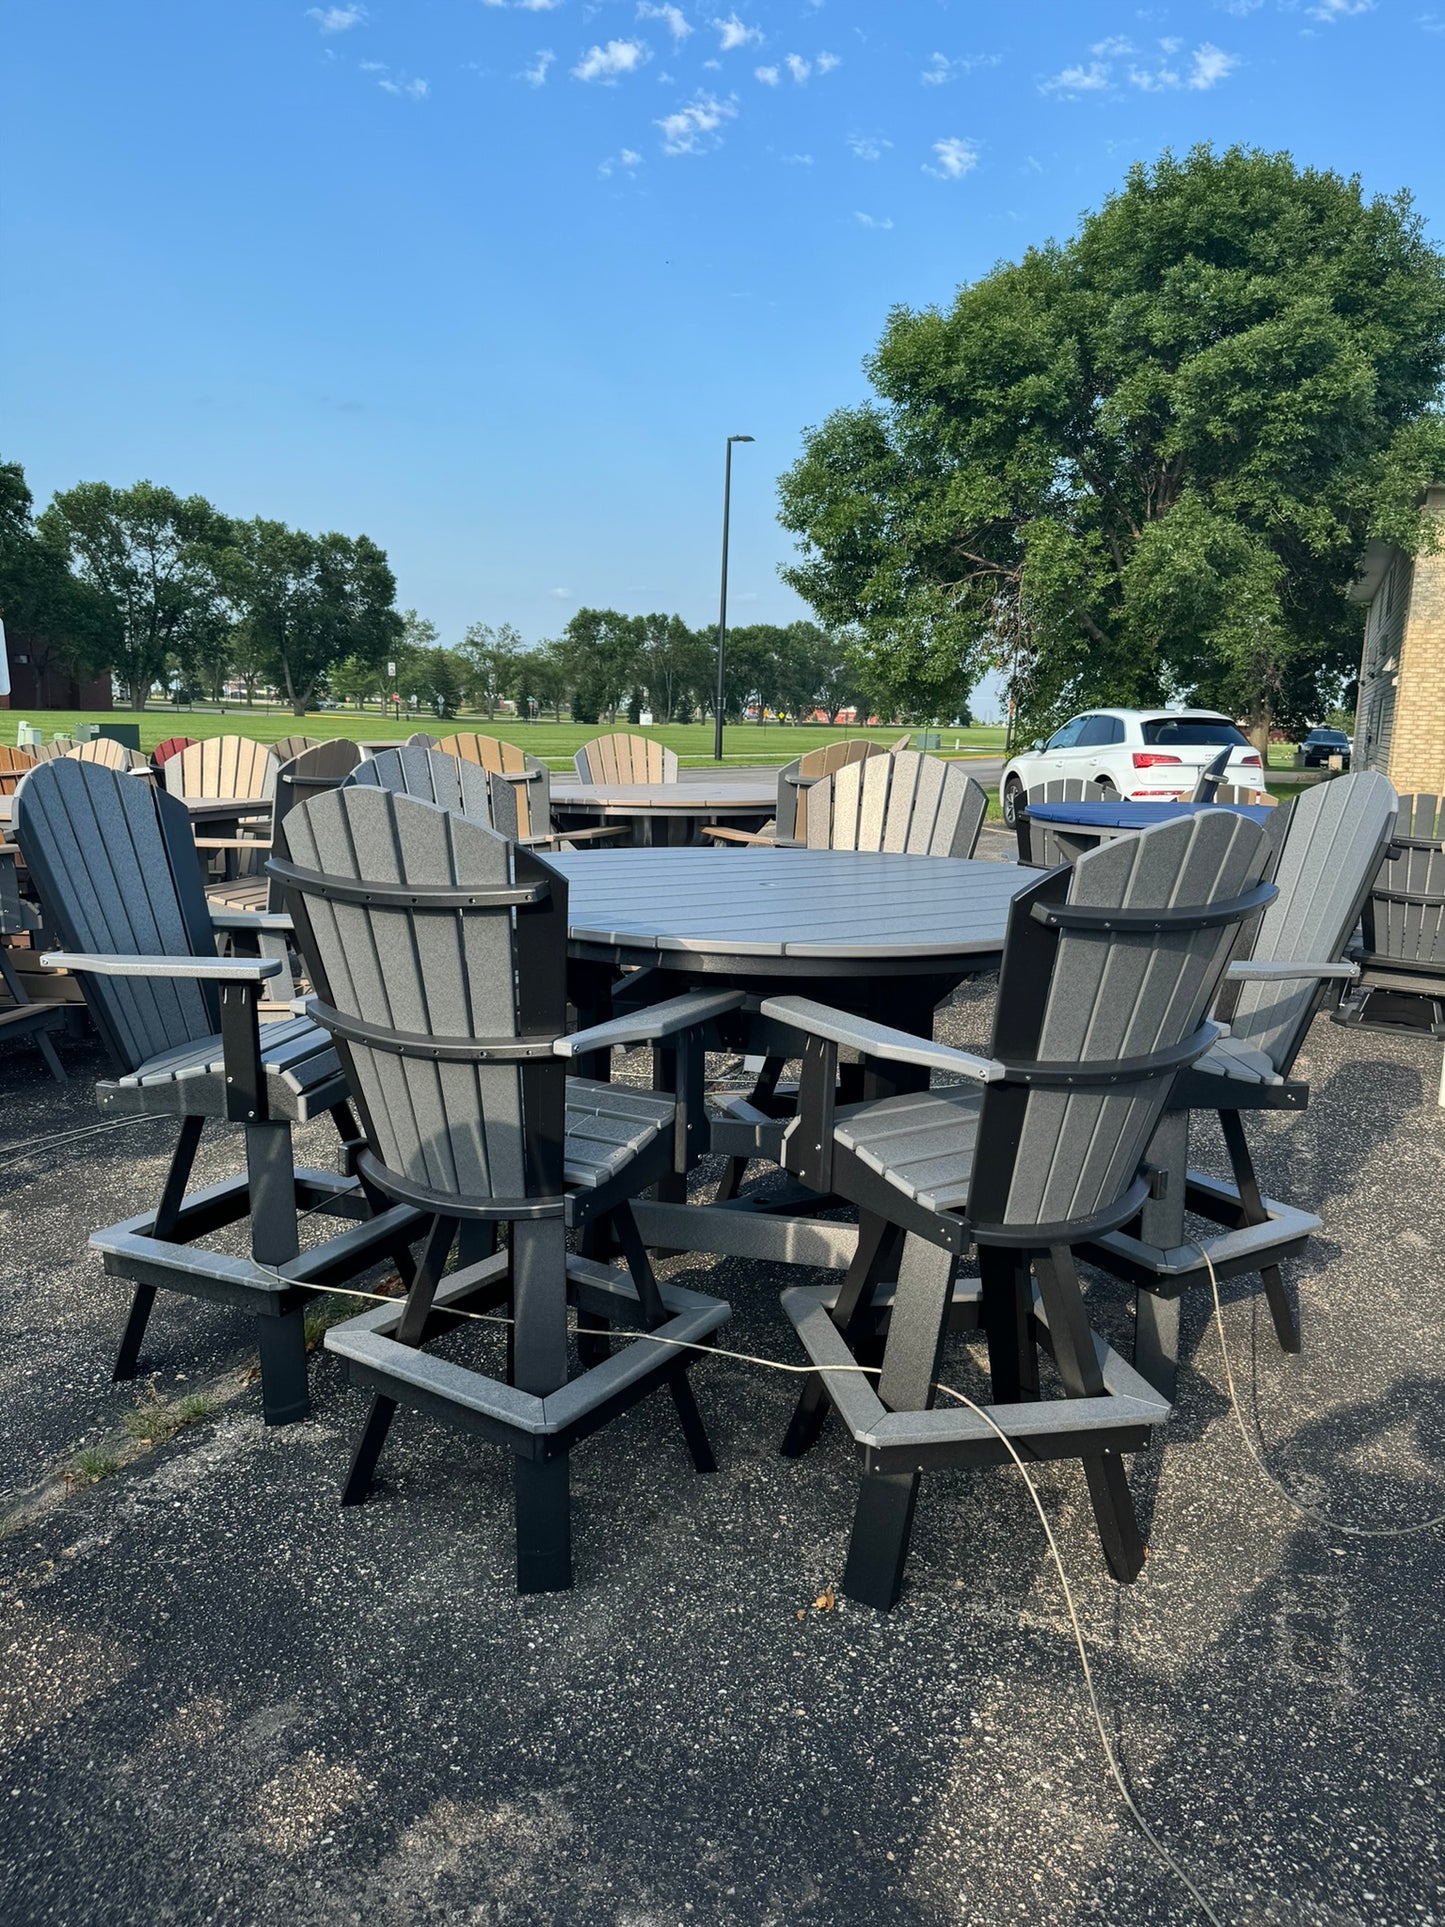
(1013, 789)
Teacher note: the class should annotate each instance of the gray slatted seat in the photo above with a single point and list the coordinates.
(117, 874)
(1108, 972)
(1331, 844)
(438, 952)
(1402, 983)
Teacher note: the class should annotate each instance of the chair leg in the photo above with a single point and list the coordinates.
(1281, 1309)
(878, 1243)
(128, 1357)
(1156, 1341)
(1013, 1363)
(52, 1062)
(882, 1529)
(1115, 1516)
(544, 1524)
(694, 1432)
(367, 1451)
(284, 1397)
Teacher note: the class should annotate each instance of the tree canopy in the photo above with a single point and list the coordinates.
(1142, 465)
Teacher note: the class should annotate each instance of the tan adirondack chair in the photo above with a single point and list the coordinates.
(109, 754)
(529, 781)
(227, 766)
(625, 758)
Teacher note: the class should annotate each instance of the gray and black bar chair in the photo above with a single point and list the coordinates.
(1290, 961)
(438, 950)
(1402, 976)
(1108, 971)
(120, 885)
(1038, 843)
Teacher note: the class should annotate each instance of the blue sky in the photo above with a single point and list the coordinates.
(492, 280)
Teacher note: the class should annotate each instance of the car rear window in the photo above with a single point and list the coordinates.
(1176, 731)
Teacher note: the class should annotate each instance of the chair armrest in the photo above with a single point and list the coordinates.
(257, 920)
(878, 1040)
(223, 970)
(233, 842)
(720, 833)
(1246, 972)
(651, 1025)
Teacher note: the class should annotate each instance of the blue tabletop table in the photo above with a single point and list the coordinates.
(1134, 816)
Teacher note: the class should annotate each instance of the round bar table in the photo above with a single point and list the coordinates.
(885, 936)
(1081, 826)
(668, 813)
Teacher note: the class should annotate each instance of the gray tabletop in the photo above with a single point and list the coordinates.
(718, 796)
(821, 906)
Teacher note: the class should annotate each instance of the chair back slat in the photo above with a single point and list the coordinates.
(1336, 836)
(529, 781)
(115, 867)
(624, 757)
(286, 748)
(13, 765)
(222, 766)
(1091, 999)
(324, 765)
(450, 782)
(108, 753)
(795, 779)
(897, 800)
(457, 1126)
(172, 746)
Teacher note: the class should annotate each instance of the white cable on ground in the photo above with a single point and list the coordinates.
(1255, 1452)
(12, 1154)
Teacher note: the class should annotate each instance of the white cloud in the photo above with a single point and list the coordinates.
(407, 89)
(627, 159)
(939, 69)
(537, 6)
(827, 62)
(1113, 48)
(872, 220)
(1208, 65)
(672, 17)
(336, 19)
(560, 595)
(1239, 8)
(797, 67)
(955, 159)
(536, 74)
(1170, 46)
(797, 160)
(767, 75)
(1157, 80)
(732, 33)
(1329, 11)
(372, 66)
(868, 147)
(607, 63)
(1092, 79)
(691, 129)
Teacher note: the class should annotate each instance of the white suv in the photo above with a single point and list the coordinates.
(1152, 755)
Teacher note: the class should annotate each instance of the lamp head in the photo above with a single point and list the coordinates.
(740, 438)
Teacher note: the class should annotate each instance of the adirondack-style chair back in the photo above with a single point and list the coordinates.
(285, 748)
(1043, 844)
(1335, 840)
(324, 766)
(899, 801)
(13, 765)
(421, 739)
(1108, 970)
(222, 766)
(625, 758)
(115, 867)
(1405, 914)
(528, 778)
(438, 951)
(795, 780)
(57, 746)
(108, 753)
(172, 746)
(447, 781)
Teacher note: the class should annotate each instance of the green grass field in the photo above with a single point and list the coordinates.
(743, 743)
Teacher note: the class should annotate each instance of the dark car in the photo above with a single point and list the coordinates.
(1321, 744)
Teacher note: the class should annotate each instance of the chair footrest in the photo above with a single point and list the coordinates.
(532, 1426)
(1122, 1420)
(1240, 1248)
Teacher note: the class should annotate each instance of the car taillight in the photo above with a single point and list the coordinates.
(1251, 762)
(1148, 758)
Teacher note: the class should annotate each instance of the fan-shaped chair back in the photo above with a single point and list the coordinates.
(1108, 971)
(795, 779)
(901, 801)
(172, 746)
(115, 867)
(450, 782)
(13, 765)
(222, 766)
(108, 753)
(625, 758)
(526, 776)
(438, 951)
(287, 747)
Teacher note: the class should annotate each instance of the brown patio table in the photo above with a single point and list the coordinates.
(668, 813)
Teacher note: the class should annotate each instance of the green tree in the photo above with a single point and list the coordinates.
(541, 677)
(492, 657)
(307, 602)
(66, 626)
(1141, 465)
(673, 661)
(152, 556)
(601, 649)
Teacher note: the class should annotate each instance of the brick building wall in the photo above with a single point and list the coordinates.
(1400, 722)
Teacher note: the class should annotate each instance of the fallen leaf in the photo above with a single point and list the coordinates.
(800, 1615)
(825, 1602)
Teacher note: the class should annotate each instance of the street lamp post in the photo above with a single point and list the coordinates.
(722, 613)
